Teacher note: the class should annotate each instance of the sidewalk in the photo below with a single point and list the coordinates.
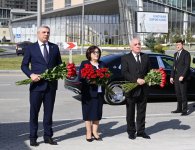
(167, 132)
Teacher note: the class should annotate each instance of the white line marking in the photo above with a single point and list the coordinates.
(52, 127)
(114, 117)
(9, 99)
(5, 84)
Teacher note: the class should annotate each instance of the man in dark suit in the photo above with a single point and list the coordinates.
(179, 76)
(41, 55)
(135, 67)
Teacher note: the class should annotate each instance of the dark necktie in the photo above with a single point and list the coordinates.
(138, 64)
(177, 56)
(45, 53)
(138, 60)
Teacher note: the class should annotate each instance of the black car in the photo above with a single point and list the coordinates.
(20, 47)
(114, 63)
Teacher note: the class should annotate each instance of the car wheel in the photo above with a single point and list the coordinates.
(118, 98)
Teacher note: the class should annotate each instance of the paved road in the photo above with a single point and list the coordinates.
(10, 51)
(167, 131)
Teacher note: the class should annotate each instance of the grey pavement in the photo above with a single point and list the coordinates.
(168, 131)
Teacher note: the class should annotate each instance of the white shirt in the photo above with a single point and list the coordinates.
(179, 52)
(42, 47)
(135, 56)
(99, 87)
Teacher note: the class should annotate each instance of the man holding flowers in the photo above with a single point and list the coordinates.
(134, 67)
(41, 55)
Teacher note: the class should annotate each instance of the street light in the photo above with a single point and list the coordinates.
(82, 27)
(39, 13)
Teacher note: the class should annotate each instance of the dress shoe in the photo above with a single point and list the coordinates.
(184, 113)
(50, 141)
(97, 138)
(132, 136)
(176, 111)
(34, 143)
(144, 135)
(89, 140)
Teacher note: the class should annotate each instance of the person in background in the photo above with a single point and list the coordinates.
(42, 55)
(134, 67)
(92, 96)
(179, 77)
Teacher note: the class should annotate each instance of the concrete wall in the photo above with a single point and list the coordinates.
(57, 4)
(76, 2)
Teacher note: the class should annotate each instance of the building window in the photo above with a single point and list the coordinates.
(48, 5)
(67, 3)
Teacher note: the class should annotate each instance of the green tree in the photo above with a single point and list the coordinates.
(150, 42)
(176, 36)
(188, 36)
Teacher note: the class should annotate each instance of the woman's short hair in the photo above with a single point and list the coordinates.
(90, 50)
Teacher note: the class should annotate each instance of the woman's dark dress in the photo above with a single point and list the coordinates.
(92, 101)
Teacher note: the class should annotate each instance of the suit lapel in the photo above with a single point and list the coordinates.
(51, 51)
(135, 61)
(181, 55)
(142, 60)
(132, 58)
(37, 48)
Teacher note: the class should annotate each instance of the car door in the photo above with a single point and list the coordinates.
(167, 63)
(191, 83)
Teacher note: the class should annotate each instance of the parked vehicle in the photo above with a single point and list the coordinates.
(113, 61)
(20, 47)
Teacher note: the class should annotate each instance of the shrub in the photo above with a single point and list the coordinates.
(150, 42)
(159, 49)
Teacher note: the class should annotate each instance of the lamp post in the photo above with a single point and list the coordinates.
(39, 13)
(82, 27)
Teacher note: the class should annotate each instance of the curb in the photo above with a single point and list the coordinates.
(11, 71)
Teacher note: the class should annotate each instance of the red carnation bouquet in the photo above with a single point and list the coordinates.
(154, 77)
(71, 70)
(59, 72)
(99, 76)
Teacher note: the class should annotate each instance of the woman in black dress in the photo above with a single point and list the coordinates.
(92, 95)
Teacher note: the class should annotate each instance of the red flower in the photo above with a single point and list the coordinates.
(99, 76)
(154, 77)
(71, 70)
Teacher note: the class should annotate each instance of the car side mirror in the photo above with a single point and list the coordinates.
(193, 60)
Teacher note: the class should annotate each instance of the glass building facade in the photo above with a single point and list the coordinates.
(114, 24)
(48, 5)
(4, 16)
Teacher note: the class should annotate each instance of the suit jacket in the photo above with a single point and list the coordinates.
(181, 67)
(130, 71)
(89, 91)
(34, 57)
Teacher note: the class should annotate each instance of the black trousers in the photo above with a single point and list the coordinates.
(139, 103)
(46, 97)
(181, 94)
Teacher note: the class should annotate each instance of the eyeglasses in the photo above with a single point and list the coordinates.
(96, 52)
